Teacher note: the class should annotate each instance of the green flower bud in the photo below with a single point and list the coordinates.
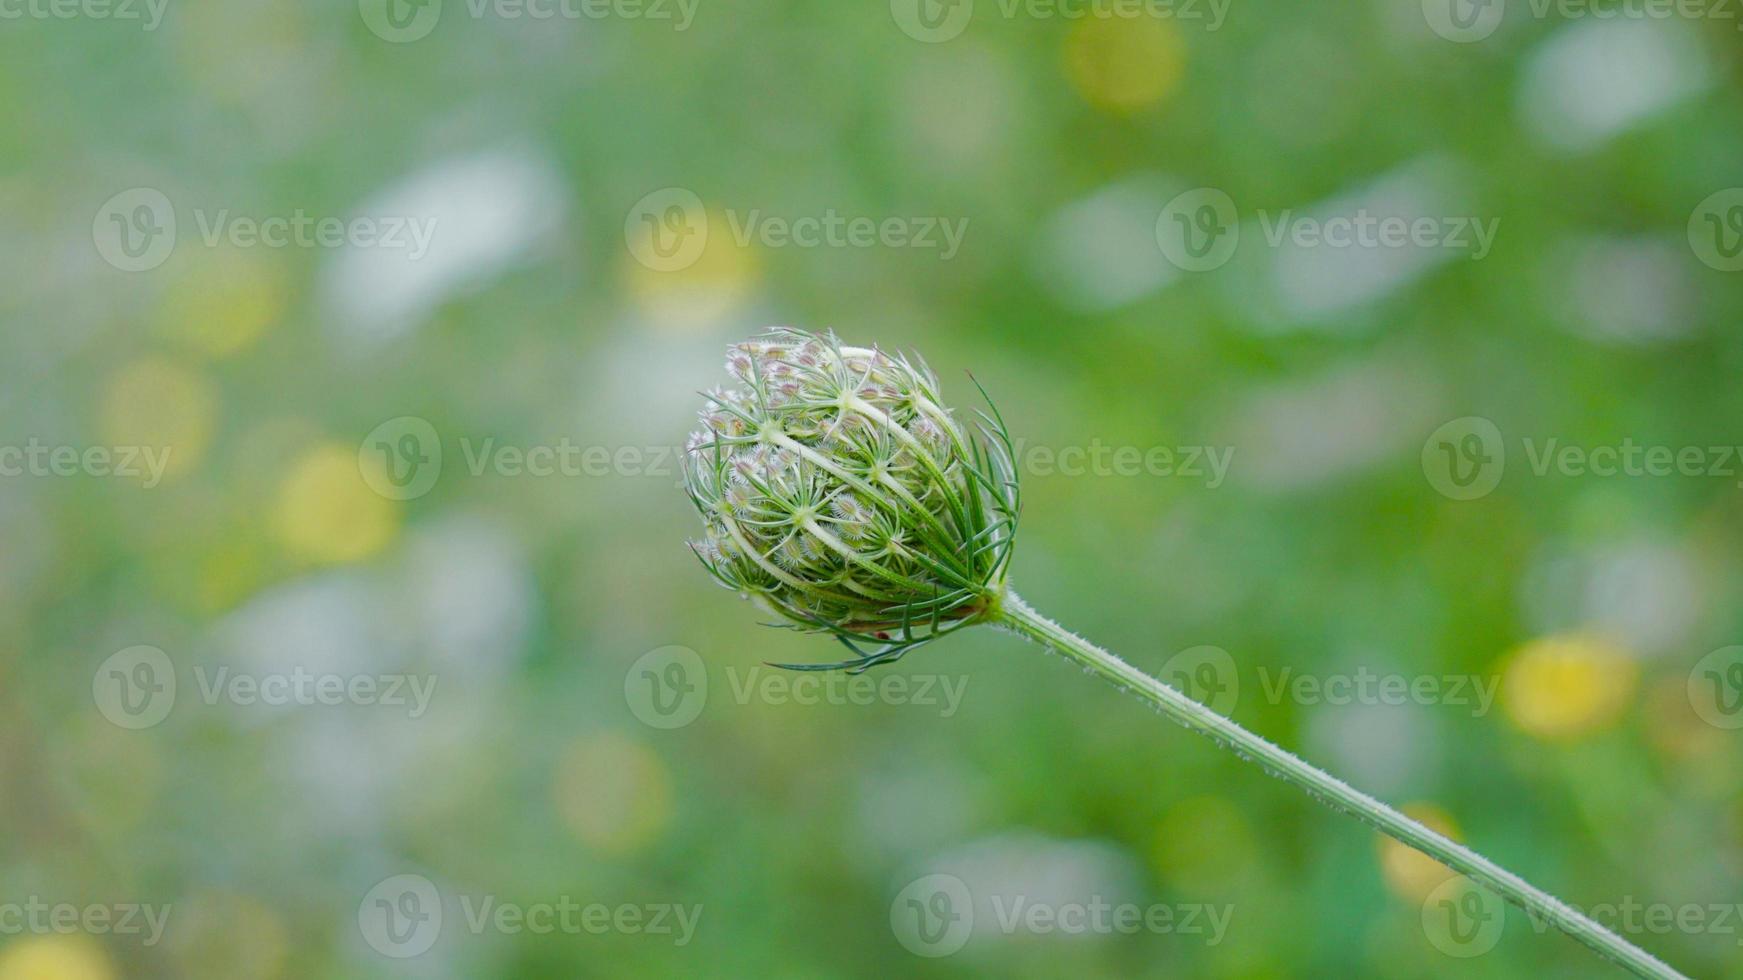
(837, 489)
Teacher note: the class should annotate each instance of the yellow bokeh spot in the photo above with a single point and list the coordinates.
(166, 409)
(1409, 873)
(1123, 64)
(703, 290)
(613, 792)
(54, 958)
(327, 513)
(1568, 686)
(224, 302)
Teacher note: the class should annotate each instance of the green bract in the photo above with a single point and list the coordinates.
(837, 489)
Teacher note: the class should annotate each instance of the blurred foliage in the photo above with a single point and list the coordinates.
(532, 601)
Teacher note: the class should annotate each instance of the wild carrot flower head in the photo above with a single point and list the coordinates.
(835, 487)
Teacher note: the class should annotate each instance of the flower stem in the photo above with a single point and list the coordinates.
(1015, 615)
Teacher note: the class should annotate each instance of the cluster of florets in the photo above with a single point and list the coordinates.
(836, 487)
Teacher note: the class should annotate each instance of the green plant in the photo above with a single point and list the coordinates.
(838, 490)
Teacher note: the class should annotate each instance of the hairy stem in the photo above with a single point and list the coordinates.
(1015, 615)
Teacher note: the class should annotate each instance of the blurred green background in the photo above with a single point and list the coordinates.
(608, 195)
